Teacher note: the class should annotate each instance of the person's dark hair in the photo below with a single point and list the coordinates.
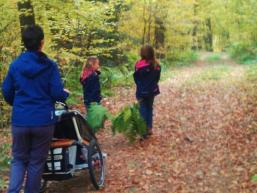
(90, 59)
(147, 53)
(32, 37)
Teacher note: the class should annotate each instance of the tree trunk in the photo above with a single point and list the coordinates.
(144, 29)
(148, 39)
(209, 38)
(26, 14)
(194, 34)
(159, 36)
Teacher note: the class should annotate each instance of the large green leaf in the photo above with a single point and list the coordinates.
(130, 123)
(254, 178)
(96, 115)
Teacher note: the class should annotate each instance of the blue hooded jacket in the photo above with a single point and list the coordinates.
(32, 86)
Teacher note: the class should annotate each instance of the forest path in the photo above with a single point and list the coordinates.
(201, 141)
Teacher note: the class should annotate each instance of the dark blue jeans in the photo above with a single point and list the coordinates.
(29, 150)
(146, 110)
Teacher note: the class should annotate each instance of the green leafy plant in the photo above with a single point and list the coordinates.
(214, 57)
(254, 178)
(3, 184)
(251, 73)
(96, 115)
(106, 77)
(176, 58)
(243, 53)
(129, 122)
(5, 156)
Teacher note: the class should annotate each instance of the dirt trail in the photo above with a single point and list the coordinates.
(201, 143)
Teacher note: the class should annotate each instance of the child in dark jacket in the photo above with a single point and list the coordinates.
(147, 75)
(89, 79)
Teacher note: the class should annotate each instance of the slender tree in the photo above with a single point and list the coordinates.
(145, 21)
(159, 36)
(26, 13)
(209, 37)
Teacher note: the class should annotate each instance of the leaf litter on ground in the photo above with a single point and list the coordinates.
(204, 140)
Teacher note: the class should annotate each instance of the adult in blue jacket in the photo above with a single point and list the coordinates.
(32, 86)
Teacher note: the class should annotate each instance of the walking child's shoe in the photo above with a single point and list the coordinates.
(150, 132)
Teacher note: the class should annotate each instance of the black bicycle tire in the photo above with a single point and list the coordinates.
(94, 181)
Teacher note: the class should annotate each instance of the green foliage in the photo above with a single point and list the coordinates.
(176, 60)
(114, 77)
(188, 56)
(6, 55)
(106, 77)
(132, 58)
(254, 178)
(96, 115)
(71, 82)
(114, 30)
(214, 57)
(179, 58)
(243, 53)
(2, 183)
(251, 73)
(129, 122)
(82, 28)
(5, 159)
(167, 71)
(211, 74)
(9, 49)
(4, 156)
(215, 73)
(110, 77)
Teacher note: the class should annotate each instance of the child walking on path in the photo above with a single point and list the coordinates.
(89, 79)
(147, 75)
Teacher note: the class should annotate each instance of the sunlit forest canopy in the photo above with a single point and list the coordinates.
(78, 28)
(114, 30)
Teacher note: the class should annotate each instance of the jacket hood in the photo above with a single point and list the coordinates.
(141, 64)
(86, 73)
(33, 64)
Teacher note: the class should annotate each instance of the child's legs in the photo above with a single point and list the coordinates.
(20, 153)
(41, 139)
(146, 111)
(143, 109)
(86, 105)
(150, 101)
